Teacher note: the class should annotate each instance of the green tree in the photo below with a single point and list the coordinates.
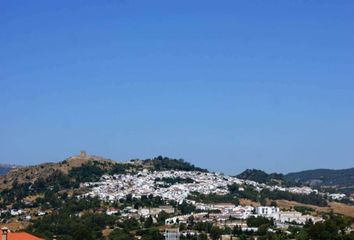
(215, 233)
(162, 217)
(148, 222)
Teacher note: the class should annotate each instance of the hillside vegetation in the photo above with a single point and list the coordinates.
(324, 177)
(78, 169)
(31, 174)
(261, 176)
(164, 163)
(55, 188)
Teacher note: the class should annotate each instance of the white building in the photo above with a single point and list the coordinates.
(266, 211)
(293, 216)
(172, 234)
(15, 212)
(111, 212)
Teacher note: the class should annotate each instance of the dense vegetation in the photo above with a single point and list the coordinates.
(164, 163)
(93, 171)
(334, 228)
(259, 221)
(250, 193)
(174, 180)
(89, 226)
(85, 218)
(304, 210)
(58, 181)
(67, 225)
(261, 176)
(214, 198)
(324, 177)
(313, 198)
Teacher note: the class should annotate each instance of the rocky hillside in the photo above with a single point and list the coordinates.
(32, 173)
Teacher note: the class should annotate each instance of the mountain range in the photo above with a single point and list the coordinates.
(321, 178)
(5, 168)
(342, 180)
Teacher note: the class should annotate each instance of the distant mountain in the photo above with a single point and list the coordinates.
(323, 177)
(342, 180)
(5, 168)
(261, 176)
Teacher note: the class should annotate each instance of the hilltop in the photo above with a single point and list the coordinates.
(31, 174)
(161, 163)
(85, 167)
(261, 176)
(342, 179)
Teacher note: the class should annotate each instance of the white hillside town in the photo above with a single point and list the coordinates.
(118, 186)
(112, 188)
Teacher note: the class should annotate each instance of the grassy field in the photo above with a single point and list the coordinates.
(340, 208)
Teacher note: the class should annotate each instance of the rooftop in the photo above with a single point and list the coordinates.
(22, 236)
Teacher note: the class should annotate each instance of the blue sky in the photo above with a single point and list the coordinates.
(226, 85)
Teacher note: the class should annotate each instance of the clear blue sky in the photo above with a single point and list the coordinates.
(226, 85)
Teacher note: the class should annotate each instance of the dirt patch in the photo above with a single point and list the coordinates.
(340, 208)
(106, 232)
(247, 202)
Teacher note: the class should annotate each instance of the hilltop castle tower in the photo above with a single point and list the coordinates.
(83, 154)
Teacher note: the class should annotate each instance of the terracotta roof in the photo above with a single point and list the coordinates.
(22, 236)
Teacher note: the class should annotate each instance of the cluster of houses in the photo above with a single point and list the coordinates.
(21, 214)
(224, 214)
(115, 187)
(283, 217)
(131, 212)
(143, 183)
(178, 186)
(231, 215)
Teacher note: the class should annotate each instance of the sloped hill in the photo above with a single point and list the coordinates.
(323, 177)
(84, 168)
(161, 163)
(342, 180)
(30, 174)
(261, 176)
